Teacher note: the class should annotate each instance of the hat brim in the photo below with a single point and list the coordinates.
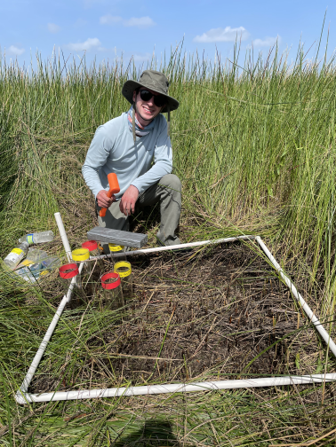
(130, 86)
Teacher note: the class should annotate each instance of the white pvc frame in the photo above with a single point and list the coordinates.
(22, 396)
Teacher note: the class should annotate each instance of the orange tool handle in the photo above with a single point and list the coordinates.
(114, 189)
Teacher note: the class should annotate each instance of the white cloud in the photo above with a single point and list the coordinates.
(53, 28)
(139, 22)
(267, 42)
(15, 51)
(88, 45)
(227, 34)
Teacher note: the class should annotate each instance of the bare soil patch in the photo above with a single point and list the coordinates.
(214, 313)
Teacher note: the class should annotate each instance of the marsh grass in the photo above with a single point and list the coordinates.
(255, 150)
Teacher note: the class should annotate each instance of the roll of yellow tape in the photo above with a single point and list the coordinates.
(81, 254)
(119, 267)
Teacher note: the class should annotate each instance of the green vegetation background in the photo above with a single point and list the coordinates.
(255, 150)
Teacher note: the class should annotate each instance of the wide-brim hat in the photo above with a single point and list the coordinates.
(155, 81)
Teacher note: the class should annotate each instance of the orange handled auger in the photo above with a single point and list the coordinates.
(114, 189)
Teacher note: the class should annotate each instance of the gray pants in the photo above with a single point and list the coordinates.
(168, 192)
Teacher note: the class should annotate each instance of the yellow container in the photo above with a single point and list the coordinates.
(114, 248)
(124, 269)
(81, 255)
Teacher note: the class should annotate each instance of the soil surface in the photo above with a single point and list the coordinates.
(214, 313)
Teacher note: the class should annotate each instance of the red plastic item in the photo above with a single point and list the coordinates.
(90, 245)
(110, 285)
(68, 271)
(114, 189)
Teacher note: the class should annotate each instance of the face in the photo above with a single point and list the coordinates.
(145, 111)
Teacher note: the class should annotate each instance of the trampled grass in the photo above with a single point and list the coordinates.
(255, 150)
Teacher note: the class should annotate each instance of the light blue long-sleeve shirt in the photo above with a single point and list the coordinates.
(113, 150)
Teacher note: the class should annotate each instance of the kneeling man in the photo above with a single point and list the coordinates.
(136, 146)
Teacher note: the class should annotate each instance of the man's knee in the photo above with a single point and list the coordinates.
(172, 182)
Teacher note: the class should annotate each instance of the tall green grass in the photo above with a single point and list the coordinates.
(254, 147)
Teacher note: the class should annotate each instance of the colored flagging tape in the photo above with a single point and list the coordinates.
(123, 268)
(81, 254)
(110, 285)
(90, 245)
(114, 247)
(68, 271)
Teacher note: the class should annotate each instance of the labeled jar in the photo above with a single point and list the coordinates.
(16, 255)
(81, 255)
(67, 272)
(112, 291)
(124, 269)
(114, 249)
(97, 264)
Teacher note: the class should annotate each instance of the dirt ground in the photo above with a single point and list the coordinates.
(213, 313)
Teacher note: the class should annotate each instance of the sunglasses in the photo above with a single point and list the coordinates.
(146, 95)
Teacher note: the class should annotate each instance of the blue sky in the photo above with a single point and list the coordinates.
(106, 29)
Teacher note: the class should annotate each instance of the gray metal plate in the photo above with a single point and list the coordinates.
(126, 238)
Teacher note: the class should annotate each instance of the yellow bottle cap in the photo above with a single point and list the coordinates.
(18, 251)
(114, 247)
(123, 268)
(81, 254)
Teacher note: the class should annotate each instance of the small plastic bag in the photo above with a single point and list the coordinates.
(37, 265)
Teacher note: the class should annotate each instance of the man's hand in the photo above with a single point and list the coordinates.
(103, 200)
(128, 200)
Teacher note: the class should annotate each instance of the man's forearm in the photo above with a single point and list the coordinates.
(92, 179)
